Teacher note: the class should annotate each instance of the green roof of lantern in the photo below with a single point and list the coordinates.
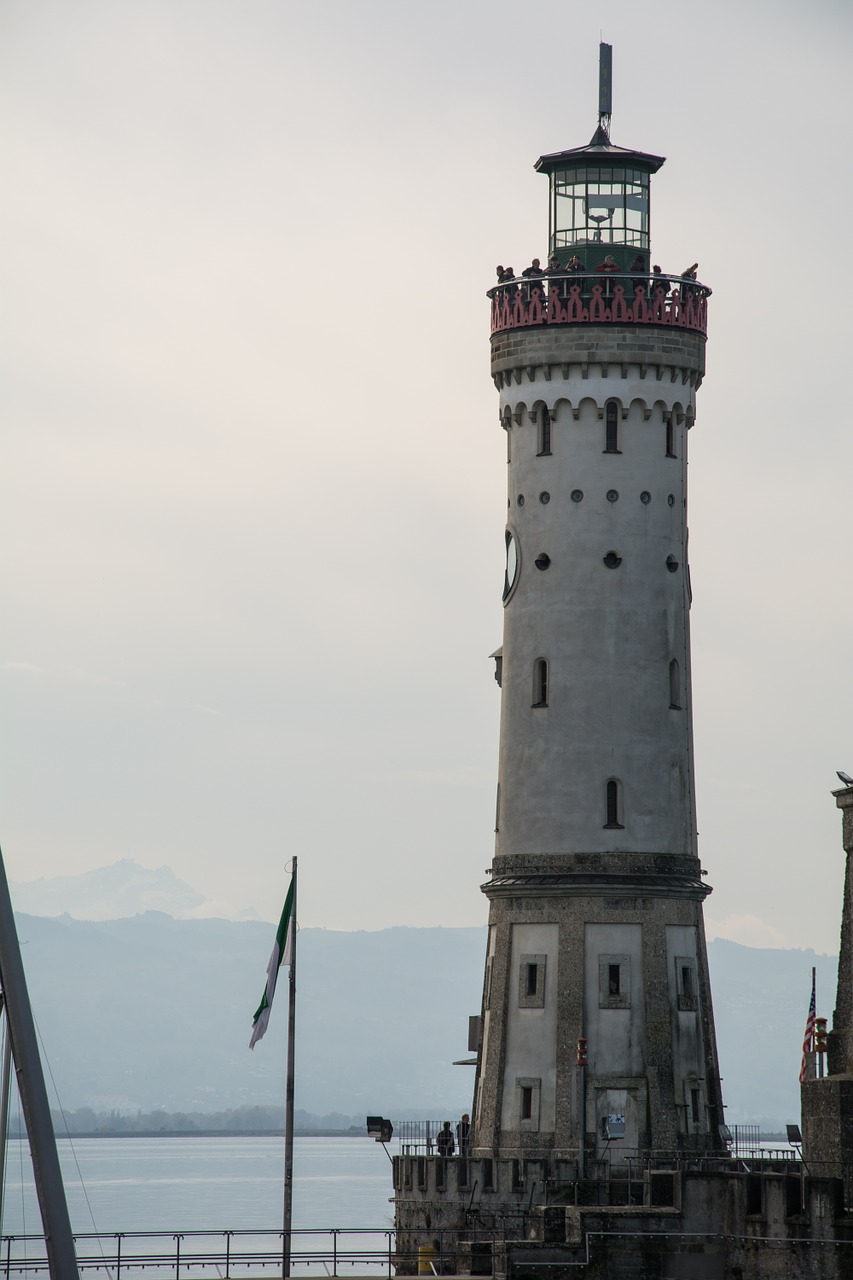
(600, 151)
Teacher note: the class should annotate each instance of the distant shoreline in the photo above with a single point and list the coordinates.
(207, 1133)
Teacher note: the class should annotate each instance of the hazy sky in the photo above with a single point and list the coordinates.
(253, 482)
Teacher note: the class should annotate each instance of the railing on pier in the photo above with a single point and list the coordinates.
(417, 1137)
(671, 301)
(126, 1255)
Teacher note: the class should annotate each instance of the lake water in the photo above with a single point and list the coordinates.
(201, 1184)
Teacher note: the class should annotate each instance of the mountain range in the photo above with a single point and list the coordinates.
(150, 1011)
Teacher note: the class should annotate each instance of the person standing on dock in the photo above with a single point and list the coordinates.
(463, 1133)
(444, 1141)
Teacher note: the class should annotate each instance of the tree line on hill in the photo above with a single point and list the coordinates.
(85, 1121)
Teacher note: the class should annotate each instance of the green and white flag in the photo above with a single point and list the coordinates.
(282, 953)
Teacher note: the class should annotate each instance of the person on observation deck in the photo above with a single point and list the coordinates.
(659, 281)
(639, 273)
(688, 289)
(444, 1141)
(463, 1134)
(534, 270)
(609, 265)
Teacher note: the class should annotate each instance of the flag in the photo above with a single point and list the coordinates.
(808, 1037)
(282, 953)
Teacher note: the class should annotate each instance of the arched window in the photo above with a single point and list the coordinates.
(540, 683)
(674, 686)
(670, 437)
(544, 432)
(611, 427)
(614, 806)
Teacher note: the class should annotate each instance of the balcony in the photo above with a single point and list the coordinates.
(662, 301)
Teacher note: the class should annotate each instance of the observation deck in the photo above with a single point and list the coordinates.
(586, 299)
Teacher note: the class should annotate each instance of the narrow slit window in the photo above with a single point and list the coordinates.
(670, 438)
(531, 980)
(526, 1102)
(687, 989)
(674, 686)
(540, 683)
(613, 806)
(544, 433)
(694, 1105)
(614, 980)
(611, 427)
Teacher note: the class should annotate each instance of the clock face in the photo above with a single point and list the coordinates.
(511, 564)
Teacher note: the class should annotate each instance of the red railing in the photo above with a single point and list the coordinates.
(588, 299)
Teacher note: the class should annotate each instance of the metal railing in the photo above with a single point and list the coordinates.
(418, 1137)
(126, 1255)
(600, 299)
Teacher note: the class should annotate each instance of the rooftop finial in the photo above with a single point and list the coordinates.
(605, 87)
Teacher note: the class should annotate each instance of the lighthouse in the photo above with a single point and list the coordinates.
(597, 1142)
(597, 1034)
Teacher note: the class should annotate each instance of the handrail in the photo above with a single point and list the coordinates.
(314, 1251)
(123, 1255)
(595, 298)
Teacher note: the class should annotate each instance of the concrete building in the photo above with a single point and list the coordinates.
(598, 1143)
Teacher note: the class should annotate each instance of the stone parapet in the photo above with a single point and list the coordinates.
(608, 350)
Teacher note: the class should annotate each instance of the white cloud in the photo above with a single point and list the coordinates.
(750, 930)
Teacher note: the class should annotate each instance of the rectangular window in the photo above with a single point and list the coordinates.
(545, 433)
(686, 985)
(694, 1105)
(687, 981)
(527, 1094)
(614, 982)
(531, 981)
(488, 1175)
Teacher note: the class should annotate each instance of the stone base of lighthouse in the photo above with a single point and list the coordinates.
(616, 957)
(677, 1220)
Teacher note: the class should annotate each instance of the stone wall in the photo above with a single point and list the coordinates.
(525, 1219)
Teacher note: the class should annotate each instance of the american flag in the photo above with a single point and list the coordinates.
(808, 1037)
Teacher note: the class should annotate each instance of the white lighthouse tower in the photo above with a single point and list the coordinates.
(597, 1031)
(597, 1144)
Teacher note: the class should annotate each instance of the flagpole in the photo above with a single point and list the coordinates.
(289, 1095)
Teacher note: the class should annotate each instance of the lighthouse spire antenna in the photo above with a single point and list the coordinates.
(605, 87)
